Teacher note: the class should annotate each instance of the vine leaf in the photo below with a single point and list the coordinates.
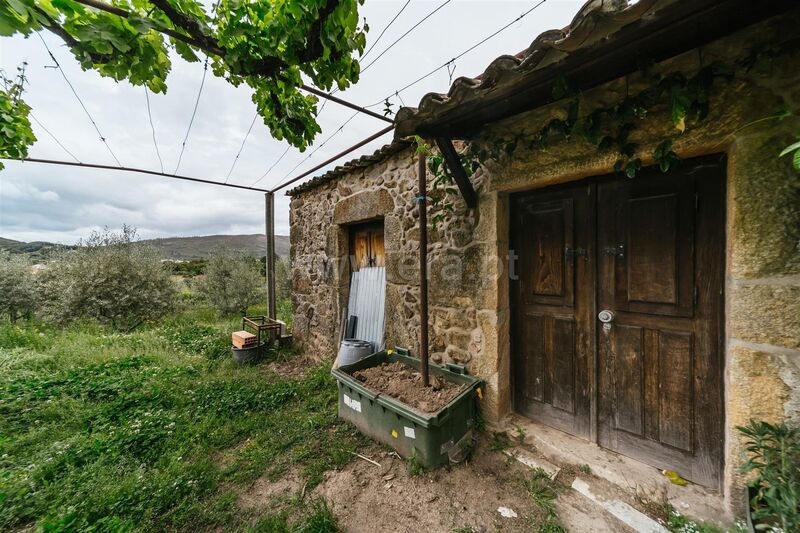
(795, 150)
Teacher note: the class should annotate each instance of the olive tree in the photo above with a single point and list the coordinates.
(17, 287)
(268, 45)
(232, 282)
(109, 277)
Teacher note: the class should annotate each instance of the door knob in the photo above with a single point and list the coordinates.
(605, 316)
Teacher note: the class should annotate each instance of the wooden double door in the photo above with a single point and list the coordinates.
(617, 314)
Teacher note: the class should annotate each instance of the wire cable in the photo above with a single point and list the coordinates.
(385, 28)
(152, 127)
(30, 114)
(235, 159)
(72, 88)
(194, 112)
(460, 55)
(264, 175)
(426, 17)
(315, 150)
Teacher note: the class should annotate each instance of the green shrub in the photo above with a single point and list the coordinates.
(17, 287)
(110, 278)
(774, 456)
(232, 282)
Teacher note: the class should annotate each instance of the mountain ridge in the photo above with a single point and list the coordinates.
(174, 248)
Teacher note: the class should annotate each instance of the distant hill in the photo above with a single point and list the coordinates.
(203, 247)
(171, 247)
(37, 250)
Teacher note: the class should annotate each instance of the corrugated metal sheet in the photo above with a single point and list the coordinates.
(367, 302)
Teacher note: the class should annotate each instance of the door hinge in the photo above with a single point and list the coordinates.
(695, 296)
(696, 200)
(615, 251)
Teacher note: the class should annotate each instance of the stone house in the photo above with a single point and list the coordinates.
(698, 266)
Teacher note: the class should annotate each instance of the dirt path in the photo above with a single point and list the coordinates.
(371, 499)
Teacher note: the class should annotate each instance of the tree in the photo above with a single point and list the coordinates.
(283, 278)
(111, 278)
(267, 44)
(17, 287)
(232, 282)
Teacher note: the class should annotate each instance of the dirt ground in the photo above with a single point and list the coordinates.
(405, 384)
(371, 499)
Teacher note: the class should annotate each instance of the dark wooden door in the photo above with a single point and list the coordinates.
(661, 249)
(553, 239)
(650, 251)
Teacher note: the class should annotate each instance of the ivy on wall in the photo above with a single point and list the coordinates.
(610, 128)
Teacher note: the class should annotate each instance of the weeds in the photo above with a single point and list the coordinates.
(500, 441)
(115, 432)
(414, 464)
(318, 517)
(585, 469)
(544, 491)
(520, 434)
(677, 523)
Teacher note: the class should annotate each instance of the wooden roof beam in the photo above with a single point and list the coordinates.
(453, 162)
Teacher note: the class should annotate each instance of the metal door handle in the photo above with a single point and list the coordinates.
(570, 253)
(605, 316)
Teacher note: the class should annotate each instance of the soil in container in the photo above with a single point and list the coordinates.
(405, 384)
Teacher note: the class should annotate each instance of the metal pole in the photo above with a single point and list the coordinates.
(132, 169)
(270, 261)
(344, 103)
(422, 202)
(334, 158)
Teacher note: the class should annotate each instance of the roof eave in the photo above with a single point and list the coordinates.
(512, 89)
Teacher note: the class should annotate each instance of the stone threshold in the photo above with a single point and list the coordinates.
(629, 481)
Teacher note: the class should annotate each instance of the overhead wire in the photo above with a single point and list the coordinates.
(152, 127)
(412, 28)
(194, 113)
(421, 78)
(58, 142)
(315, 150)
(235, 159)
(264, 175)
(460, 55)
(80, 101)
(377, 40)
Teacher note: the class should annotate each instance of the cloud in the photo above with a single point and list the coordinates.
(63, 204)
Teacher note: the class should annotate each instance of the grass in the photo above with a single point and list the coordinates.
(156, 430)
(544, 491)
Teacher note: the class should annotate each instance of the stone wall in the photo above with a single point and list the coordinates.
(469, 293)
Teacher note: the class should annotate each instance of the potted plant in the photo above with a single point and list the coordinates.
(773, 493)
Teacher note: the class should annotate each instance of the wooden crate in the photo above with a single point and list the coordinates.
(243, 339)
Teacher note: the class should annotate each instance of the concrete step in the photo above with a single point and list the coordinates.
(620, 510)
(532, 461)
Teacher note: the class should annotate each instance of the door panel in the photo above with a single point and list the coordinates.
(653, 405)
(366, 243)
(553, 327)
(651, 250)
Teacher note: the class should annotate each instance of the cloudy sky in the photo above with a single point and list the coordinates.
(63, 204)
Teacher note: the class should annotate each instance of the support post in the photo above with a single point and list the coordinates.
(270, 261)
(422, 203)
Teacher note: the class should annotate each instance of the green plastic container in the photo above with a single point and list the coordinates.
(434, 438)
